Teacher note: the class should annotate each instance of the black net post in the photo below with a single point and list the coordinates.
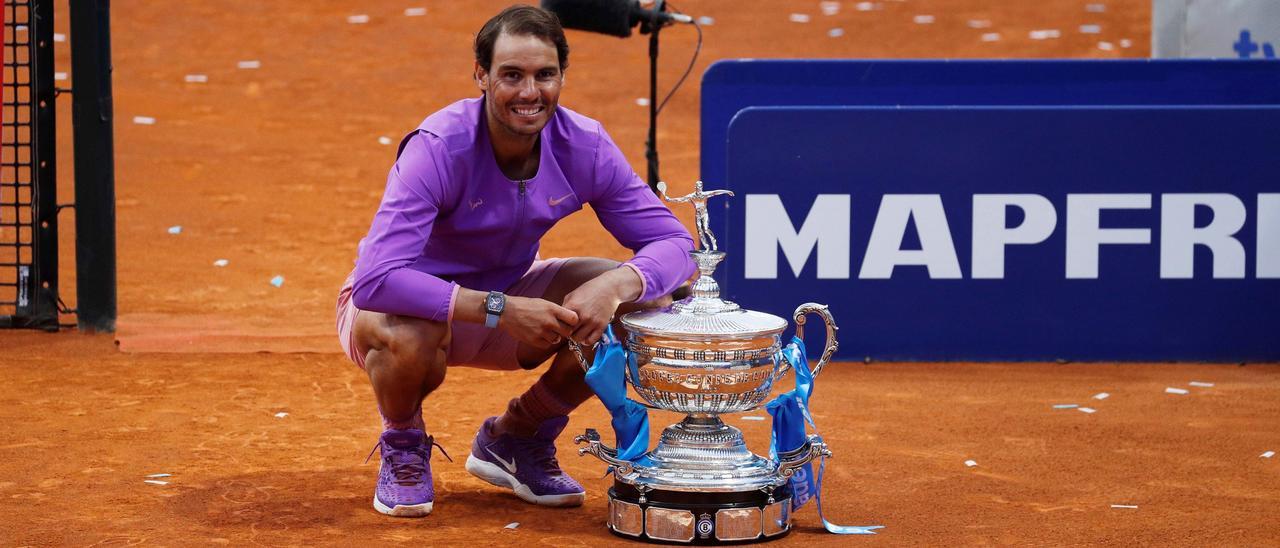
(95, 165)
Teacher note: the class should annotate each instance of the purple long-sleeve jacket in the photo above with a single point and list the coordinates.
(450, 218)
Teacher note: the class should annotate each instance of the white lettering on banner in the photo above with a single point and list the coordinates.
(827, 228)
(1268, 236)
(991, 235)
(1179, 235)
(769, 227)
(884, 251)
(1085, 236)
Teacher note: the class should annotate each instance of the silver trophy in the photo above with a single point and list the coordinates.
(705, 356)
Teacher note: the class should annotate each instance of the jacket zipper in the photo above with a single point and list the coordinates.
(515, 231)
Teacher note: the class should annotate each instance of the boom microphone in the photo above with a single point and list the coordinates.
(612, 17)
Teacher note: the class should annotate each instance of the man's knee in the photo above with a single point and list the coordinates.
(405, 339)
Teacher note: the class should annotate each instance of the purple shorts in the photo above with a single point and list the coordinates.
(470, 344)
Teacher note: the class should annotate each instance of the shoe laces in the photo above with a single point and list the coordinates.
(410, 471)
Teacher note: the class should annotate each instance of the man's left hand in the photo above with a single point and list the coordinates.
(596, 301)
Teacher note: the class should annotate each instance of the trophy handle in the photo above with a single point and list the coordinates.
(832, 344)
(791, 461)
(577, 351)
(601, 451)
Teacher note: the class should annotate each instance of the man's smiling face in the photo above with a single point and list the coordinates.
(522, 87)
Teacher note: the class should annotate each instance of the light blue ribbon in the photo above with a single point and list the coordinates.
(608, 379)
(790, 412)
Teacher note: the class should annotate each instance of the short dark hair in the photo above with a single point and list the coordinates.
(521, 20)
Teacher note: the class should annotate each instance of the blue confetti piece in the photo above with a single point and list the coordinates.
(175, 229)
(277, 281)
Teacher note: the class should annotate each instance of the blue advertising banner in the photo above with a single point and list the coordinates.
(1012, 233)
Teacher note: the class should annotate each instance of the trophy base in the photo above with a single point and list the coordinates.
(683, 517)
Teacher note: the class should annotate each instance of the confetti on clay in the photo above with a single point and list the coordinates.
(1101, 396)
(281, 414)
(156, 482)
(799, 18)
(991, 37)
(195, 78)
(835, 33)
(971, 463)
(1095, 8)
(1171, 390)
(752, 418)
(221, 262)
(415, 12)
(830, 8)
(158, 475)
(706, 21)
(1066, 406)
(642, 101)
(277, 281)
(358, 19)
(1045, 34)
(1090, 29)
(1201, 384)
(979, 24)
(144, 120)
(384, 140)
(175, 229)
(1129, 506)
(1106, 46)
(251, 64)
(1089, 410)
(923, 19)
(512, 525)
(59, 76)
(1268, 454)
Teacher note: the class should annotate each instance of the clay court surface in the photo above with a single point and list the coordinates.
(279, 169)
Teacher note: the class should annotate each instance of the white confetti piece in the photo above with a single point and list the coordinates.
(1090, 29)
(799, 18)
(221, 263)
(195, 78)
(144, 120)
(1045, 34)
(1095, 8)
(923, 19)
(1129, 506)
(1066, 406)
(251, 64)
(415, 12)
(866, 6)
(1089, 410)
(830, 8)
(1171, 390)
(706, 20)
(752, 418)
(1101, 396)
(59, 37)
(835, 33)
(158, 475)
(971, 463)
(1268, 454)
(358, 19)
(1106, 46)
(59, 76)
(281, 414)
(175, 229)
(991, 37)
(20, 28)
(1126, 43)
(642, 101)
(1201, 384)
(979, 24)
(384, 140)
(277, 281)
(156, 482)
(512, 525)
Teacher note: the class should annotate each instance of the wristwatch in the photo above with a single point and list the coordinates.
(493, 305)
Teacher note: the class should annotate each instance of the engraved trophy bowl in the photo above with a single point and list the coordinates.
(704, 356)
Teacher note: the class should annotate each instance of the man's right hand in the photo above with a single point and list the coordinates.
(537, 322)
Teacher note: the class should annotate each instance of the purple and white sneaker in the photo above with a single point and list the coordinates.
(404, 487)
(527, 466)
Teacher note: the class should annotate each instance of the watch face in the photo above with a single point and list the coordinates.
(494, 303)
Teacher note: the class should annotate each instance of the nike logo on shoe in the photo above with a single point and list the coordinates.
(476, 204)
(510, 465)
(556, 201)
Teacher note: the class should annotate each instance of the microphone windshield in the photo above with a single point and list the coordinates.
(612, 17)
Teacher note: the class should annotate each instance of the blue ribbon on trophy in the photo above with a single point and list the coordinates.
(607, 378)
(790, 412)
